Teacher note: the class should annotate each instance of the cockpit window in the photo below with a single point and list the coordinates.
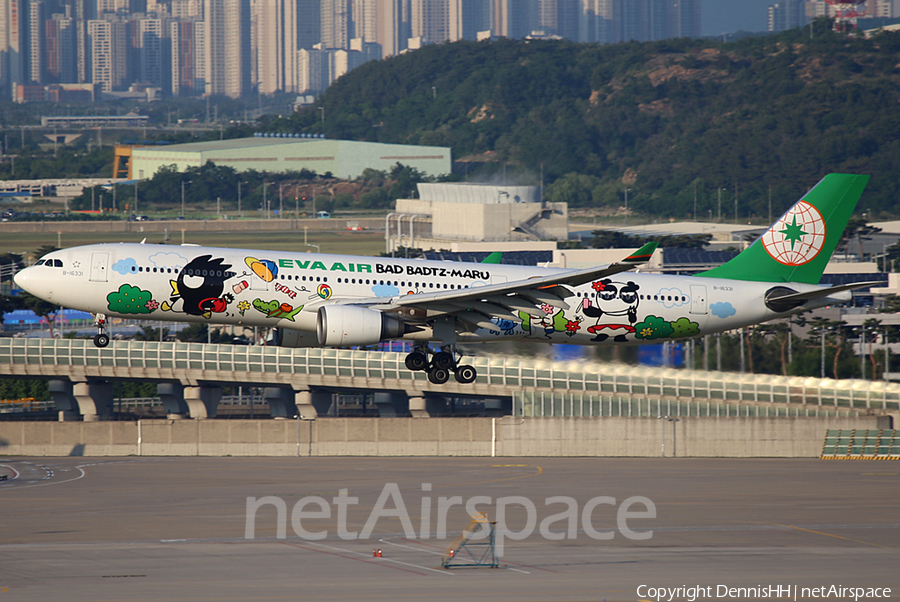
(57, 263)
(41, 262)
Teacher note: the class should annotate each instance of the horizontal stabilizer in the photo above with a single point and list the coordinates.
(825, 292)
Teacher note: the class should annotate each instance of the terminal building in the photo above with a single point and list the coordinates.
(343, 158)
(482, 213)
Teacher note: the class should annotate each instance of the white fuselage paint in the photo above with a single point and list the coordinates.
(282, 289)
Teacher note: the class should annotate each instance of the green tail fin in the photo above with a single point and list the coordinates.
(495, 257)
(799, 245)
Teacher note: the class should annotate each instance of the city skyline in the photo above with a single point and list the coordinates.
(82, 49)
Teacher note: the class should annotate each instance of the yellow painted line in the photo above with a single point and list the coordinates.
(509, 465)
(830, 535)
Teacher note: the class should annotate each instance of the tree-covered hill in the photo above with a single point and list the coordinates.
(663, 119)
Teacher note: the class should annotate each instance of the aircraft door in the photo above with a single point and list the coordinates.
(698, 299)
(257, 284)
(99, 265)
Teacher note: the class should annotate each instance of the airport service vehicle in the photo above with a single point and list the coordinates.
(341, 301)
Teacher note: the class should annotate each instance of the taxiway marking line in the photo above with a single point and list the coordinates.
(877, 545)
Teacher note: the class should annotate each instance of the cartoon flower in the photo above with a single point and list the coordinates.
(653, 327)
(243, 306)
(598, 286)
(572, 327)
(151, 305)
(547, 309)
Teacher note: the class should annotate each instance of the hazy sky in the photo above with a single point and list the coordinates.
(731, 15)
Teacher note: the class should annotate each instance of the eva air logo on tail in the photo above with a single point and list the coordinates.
(797, 237)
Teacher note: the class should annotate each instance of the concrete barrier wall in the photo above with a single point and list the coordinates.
(509, 436)
(749, 437)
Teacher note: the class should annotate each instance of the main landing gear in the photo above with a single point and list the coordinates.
(101, 339)
(442, 363)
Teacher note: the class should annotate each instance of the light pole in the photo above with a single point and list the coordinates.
(735, 203)
(625, 222)
(241, 213)
(674, 435)
(720, 205)
(315, 188)
(664, 419)
(182, 195)
(280, 200)
(265, 202)
(322, 110)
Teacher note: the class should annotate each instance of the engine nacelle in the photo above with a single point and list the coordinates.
(346, 325)
(287, 337)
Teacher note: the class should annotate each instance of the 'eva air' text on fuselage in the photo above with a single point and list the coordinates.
(318, 265)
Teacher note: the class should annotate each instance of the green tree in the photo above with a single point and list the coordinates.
(42, 309)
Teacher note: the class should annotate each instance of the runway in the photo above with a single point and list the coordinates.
(84, 529)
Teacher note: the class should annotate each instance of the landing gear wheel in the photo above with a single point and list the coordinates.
(438, 376)
(101, 340)
(444, 360)
(466, 374)
(417, 361)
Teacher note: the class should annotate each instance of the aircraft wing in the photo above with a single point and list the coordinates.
(477, 305)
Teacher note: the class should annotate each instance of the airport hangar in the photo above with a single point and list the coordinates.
(343, 158)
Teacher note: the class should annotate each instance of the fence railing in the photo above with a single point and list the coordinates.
(497, 375)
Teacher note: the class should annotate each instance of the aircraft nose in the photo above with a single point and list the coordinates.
(31, 281)
(22, 278)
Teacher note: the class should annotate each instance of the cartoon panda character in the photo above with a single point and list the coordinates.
(199, 287)
(615, 307)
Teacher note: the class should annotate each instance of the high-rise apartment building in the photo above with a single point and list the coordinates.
(181, 34)
(309, 23)
(37, 14)
(12, 47)
(312, 70)
(108, 53)
(277, 45)
(152, 45)
(186, 9)
(337, 25)
(61, 50)
(200, 64)
(610, 21)
(466, 18)
(227, 47)
(787, 14)
(381, 22)
(430, 21)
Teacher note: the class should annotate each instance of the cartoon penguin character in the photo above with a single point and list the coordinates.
(199, 286)
(613, 300)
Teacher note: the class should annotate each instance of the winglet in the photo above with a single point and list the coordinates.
(643, 254)
(495, 257)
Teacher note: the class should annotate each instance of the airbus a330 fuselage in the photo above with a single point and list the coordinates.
(286, 290)
(340, 300)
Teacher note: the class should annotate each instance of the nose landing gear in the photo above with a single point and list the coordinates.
(441, 365)
(101, 339)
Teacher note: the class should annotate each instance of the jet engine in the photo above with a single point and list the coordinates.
(346, 325)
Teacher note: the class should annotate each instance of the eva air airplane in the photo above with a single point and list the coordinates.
(341, 300)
